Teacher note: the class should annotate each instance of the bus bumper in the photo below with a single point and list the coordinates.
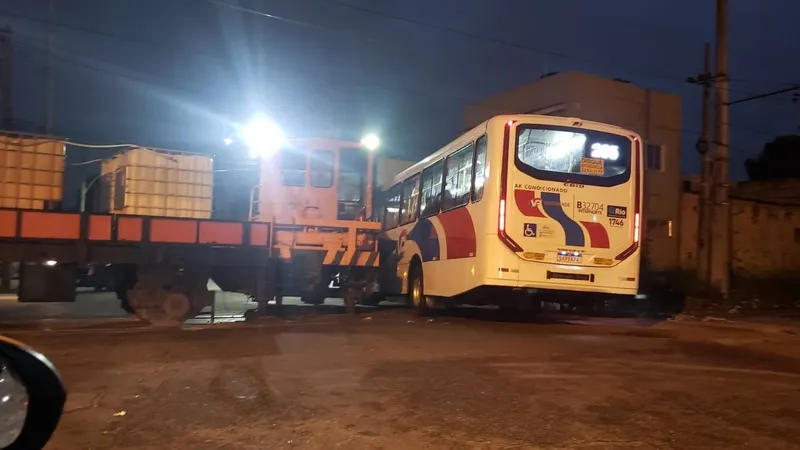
(622, 279)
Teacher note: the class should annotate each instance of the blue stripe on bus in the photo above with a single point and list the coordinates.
(552, 207)
(424, 234)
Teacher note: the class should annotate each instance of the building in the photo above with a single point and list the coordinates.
(656, 116)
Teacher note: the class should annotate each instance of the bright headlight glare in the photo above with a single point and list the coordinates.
(371, 142)
(263, 137)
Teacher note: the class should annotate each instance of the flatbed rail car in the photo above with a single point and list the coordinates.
(161, 265)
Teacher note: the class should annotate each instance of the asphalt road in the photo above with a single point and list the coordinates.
(392, 381)
(91, 305)
(103, 307)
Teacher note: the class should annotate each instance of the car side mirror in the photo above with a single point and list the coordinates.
(32, 397)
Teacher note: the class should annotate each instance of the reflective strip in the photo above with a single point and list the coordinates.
(337, 260)
(357, 258)
(361, 258)
(333, 257)
(372, 261)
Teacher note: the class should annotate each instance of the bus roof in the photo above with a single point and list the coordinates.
(475, 132)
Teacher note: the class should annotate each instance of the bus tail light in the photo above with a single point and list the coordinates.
(501, 222)
(636, 227)
(501, 214)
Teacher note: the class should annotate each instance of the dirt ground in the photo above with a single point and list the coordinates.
(392, 381)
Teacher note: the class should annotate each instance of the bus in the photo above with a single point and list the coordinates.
(518, 210)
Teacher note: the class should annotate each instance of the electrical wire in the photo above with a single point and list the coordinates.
(494, 40)
(373, 12)
(263, 14)
(160, 45)
(339, 3)
(427, 95)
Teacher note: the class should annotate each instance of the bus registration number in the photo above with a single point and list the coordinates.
(568, 258)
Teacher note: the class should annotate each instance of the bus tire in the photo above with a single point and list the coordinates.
(416, 291)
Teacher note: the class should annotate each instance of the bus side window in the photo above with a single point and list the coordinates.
(321, 168)
(480, 169)
(409, 210)
(392, 210)
(431, 201)
(458, 178)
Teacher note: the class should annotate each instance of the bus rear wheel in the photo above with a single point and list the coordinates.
(416, 292)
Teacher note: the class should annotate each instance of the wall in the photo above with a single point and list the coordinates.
(785, 192)
(656, 116)
(765, 237)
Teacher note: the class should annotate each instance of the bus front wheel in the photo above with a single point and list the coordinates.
(416, 291)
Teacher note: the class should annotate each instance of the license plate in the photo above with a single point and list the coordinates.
(568, 258)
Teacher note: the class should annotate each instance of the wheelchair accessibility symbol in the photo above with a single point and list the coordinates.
(529, 230)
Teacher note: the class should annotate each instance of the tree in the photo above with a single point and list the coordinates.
(780, 159)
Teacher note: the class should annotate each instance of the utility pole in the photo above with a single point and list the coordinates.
(706, 171)
(49, 85)
(720, 232)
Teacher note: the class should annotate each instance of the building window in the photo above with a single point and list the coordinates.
(654, 157)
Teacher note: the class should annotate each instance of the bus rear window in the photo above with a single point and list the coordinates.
(573, 155)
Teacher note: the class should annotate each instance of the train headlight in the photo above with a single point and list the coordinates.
(262, 137)
(371, 142)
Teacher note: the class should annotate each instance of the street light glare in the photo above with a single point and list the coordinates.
(371, 142)
(263, 137)
(228, 141)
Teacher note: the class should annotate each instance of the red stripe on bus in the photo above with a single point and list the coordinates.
(501, 224)
(598, 235)
(526, 203)
(459, 232)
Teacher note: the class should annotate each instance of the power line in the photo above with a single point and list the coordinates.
(344, 81)
(795, 87)
(263, 14)
(353, 84)
(410, 92)
(84, 65)
(492, 40)
(170, 46)
(185, 49)
(161, 45)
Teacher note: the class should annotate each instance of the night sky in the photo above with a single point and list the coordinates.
(182, 73)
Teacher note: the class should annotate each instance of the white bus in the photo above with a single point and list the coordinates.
(519, 205)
